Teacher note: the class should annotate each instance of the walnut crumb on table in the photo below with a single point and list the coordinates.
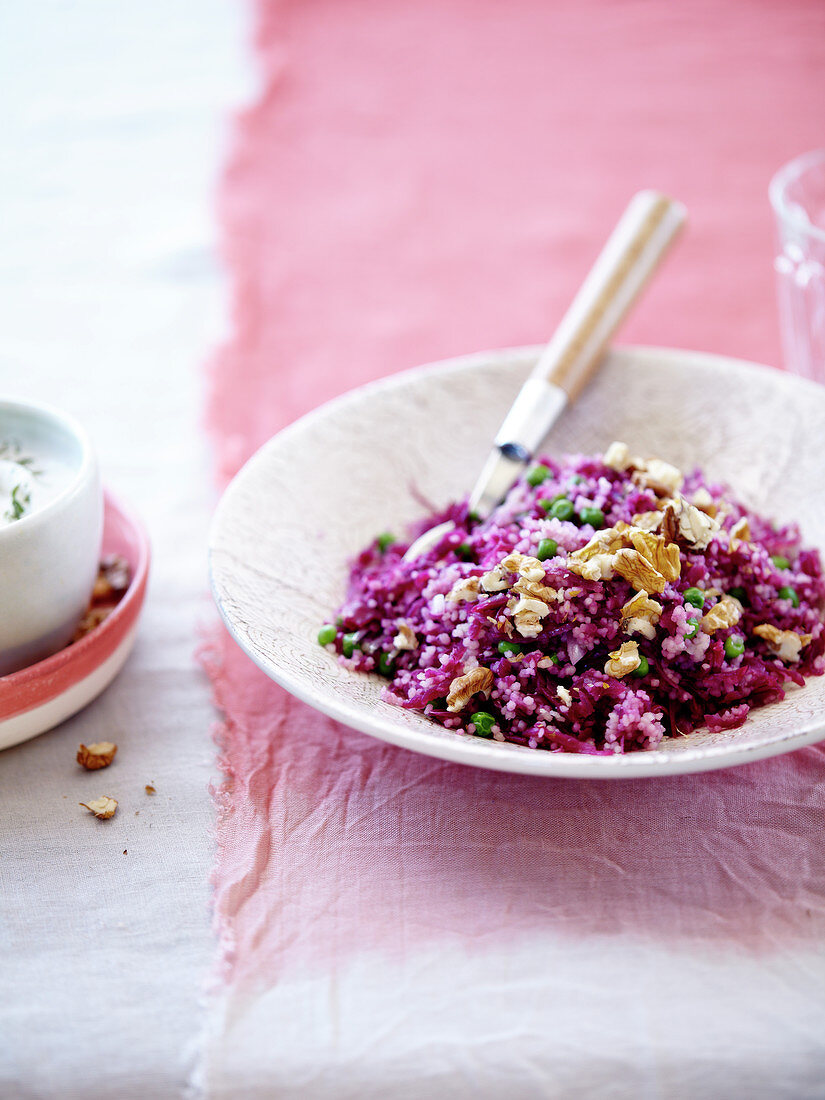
(98, 755)
(150, 789)
(102, 808)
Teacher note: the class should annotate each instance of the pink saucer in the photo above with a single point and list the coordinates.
(39, 697)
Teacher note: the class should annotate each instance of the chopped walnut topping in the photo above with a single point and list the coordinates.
(727, 612)
(113, 577)
(564, 695)
(648, 521)
(597, 568)
(617, 456)
(406, 636)
(529, 568)
(704, 502)
(665, 480)
(603, 542)
(528, 613)
(494, 580)
(463, 688)
(687, 525)
(545, 662)
(465, 590)
(623, 660)
(528, 624)
(103, 808)
(638, 571)
(662, 555)
(786, 644)
(92, 619)
(535, 590)
(740, 532)
(98, 755)
(640, 615)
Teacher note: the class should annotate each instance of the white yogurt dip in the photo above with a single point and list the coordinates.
(29, 481)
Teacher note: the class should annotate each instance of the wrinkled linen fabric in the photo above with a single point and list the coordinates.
(110, 297)
(421, 179)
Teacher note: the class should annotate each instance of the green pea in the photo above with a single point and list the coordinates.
(483, 723)
(473, 517)
(695, 596)
(510, 649)
(464, 551)
(788, 593)
(537, 475)
(734, 646)
(593, 516)
(643, 668)
(326, 635)
(694, 628)
(739, 593)
(562, 509)
(349, 644)
(780, 562)
(546, 549)
(385, 541)
(386, 665)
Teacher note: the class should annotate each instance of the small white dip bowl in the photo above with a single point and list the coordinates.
(51, 518)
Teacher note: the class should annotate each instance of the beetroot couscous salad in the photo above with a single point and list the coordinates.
(608, 603)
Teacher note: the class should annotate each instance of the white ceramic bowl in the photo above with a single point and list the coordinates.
(49, 556)
(313, 496)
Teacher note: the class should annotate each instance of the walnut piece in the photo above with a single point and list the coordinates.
(113, 576)
(786, 644)
(149, 789)
(603, 542)
(534, 590)
(688, 525)
(648, 521)
(465, 590)
(529, 568)
(665, 480)
(494, 580)
(740, 532)
(640, 615)
(463, 688)
(638, 571)
(704, 502)
(104, 807)
(623, 660)
(92, 618)
(727, 612)
(98, 755)
(527, 615)
(597, 568)
(662, 555)
(617, 456)
(406, 636)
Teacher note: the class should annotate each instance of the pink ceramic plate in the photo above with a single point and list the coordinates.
(39, 697)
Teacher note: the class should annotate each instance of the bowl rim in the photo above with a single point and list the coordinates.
(51, 673)
(473, 752)
(83, 475)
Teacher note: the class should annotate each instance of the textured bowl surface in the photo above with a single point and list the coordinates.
(307, 502)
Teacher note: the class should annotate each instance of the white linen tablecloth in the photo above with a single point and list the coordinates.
(113, 119)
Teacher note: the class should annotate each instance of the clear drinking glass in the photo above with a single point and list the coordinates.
(797, 194)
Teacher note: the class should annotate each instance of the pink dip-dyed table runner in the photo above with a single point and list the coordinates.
(418, 179)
